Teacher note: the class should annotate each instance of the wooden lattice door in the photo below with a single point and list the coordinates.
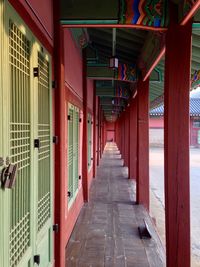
(25, 99)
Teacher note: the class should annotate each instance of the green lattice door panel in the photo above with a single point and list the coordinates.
(44, 181)
(20, 143)
(76, 147)
(26, 209)
(70, 153)
(73, 152)
(89, 129)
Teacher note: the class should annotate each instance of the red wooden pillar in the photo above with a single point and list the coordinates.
(60, 152)
(122, 136)
(133, 139)
(176, 119)
(85, 133)
(126, 136)
(94, 131)
(128, 140)
(98, 133)
(143, 144)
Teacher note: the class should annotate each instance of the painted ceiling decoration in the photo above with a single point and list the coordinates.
(185, 6)
(149, 13)
(81, 37)
(153, 46)
(126, 72)
(122, 92)
(144, 12)
(133, 31)
(195, 80)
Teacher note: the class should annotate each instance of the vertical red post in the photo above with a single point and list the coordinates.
(142, 193)
(60, 153)
(128, 141)
(98, 134)
(85, 133)
(126, 136)
(176, 121)
(133, 139)
(94, 131)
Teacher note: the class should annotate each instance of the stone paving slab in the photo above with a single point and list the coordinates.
(106, 232)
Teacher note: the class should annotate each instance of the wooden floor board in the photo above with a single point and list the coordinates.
(106, 232)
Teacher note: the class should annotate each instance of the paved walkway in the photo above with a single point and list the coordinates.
(106, 233)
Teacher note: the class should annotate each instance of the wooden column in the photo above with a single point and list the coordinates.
(98, 133)
(94, 131)
(176, 136)
(133, 139)
(60, 147)
(126, 136)
(85, 133)
(143, 144)
(128, 140)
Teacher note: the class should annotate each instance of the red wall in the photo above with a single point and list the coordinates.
(90, 87)
(156, 122)
(74, 94)
(73, 65)
(109, 131)
(110, 136)
(194, 133)
(38, 15)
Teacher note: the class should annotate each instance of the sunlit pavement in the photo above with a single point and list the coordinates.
(157, 196)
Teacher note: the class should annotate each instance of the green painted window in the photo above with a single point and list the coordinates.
(89, 129)
(73, 152)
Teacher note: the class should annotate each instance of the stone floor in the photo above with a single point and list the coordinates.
(106, 232)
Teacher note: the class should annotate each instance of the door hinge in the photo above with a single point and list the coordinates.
(69, 117)
(80, 120)
(55, 228)
(79, 177)
(37, 143)
(69, 194)
(36, 259)
(36, 72)
(54, 84)
(55, 139)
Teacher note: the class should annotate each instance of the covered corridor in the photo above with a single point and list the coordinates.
(74, 75)
(106, 233)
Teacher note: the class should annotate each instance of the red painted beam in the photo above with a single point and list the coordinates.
(142, 193)
(118, 26)
(176, 136)
(191, 13)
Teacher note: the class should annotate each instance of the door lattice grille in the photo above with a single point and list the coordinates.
(73, 152)
(44, 177)
(89, 129)
(70, 154)
(76, 148)
(19, 60)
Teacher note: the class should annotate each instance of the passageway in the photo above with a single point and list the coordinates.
(106, 233)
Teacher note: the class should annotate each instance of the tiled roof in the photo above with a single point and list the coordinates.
(194, 108)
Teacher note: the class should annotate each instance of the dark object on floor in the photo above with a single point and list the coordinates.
(144, 231)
